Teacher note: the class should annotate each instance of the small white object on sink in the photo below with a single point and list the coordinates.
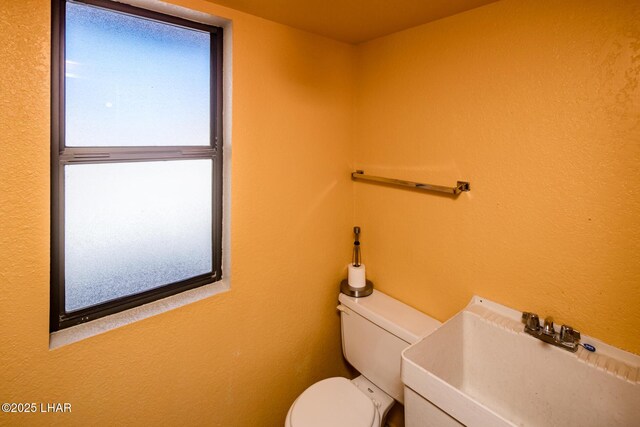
(480, 369)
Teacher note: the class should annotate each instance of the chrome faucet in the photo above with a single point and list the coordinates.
(568, 338)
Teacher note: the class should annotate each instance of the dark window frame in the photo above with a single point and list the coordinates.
(61, 156)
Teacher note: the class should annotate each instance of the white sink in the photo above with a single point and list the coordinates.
(481, 369)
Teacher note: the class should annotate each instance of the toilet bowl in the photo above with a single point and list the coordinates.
(350, 405)
(375, 330)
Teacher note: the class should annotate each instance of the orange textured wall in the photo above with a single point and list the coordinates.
(235, 359)
(537, 104)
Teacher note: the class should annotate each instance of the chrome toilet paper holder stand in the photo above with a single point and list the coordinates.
(356, 260)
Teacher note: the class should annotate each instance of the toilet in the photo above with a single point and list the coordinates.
(375, 330)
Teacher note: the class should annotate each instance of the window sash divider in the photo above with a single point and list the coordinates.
(137, 154)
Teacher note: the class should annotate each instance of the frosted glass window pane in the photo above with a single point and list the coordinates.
(132, 81)
(131, 227)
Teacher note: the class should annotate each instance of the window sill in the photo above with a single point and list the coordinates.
(87, 330)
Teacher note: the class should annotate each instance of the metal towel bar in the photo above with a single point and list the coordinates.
(459, 188)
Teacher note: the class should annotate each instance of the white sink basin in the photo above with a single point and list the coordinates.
(481, 369)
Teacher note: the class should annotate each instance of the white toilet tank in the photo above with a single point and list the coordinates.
(375, 330)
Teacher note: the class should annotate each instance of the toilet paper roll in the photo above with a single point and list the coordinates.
(357, 277)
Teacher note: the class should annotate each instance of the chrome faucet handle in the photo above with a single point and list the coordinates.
(568, 334)
(548, 328)
(531, 321)
(567, 339)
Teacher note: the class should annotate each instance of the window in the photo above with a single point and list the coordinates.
(136, 158)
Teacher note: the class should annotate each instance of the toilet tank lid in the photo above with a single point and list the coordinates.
(403, 321)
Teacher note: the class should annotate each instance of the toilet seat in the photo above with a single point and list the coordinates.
(335, 402)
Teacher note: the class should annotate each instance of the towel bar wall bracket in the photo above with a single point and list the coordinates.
(461, 186)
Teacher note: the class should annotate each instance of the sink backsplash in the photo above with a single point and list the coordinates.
(607, 358)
